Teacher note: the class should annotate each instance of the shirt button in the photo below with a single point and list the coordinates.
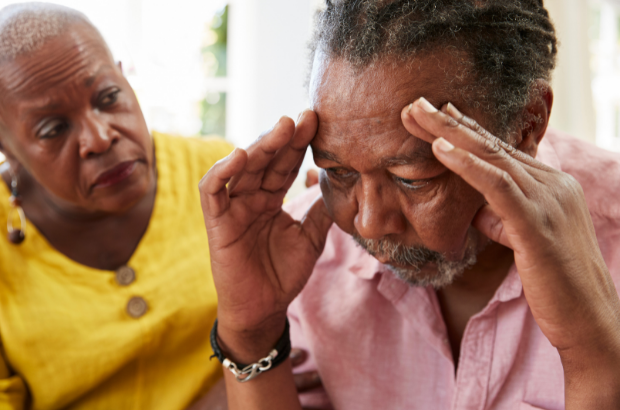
(136, 307)
(125, 276)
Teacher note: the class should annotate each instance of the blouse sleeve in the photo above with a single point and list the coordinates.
(12, 388)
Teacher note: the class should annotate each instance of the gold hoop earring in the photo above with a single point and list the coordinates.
(15, 235)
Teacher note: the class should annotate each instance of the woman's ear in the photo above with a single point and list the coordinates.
(536, 118)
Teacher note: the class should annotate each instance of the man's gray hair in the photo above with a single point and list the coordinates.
(510, 44)
(24, 28)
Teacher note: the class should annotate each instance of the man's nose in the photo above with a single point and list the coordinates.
(97, 137)
(378, 211)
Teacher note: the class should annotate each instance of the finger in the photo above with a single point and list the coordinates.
(260, 154)
(316, 224)
(287, 158)
(491, 225)
(412, 126)
(213, 193)
(292, 176)
(485, 146)
(497, 185)
(307, 381)
(473, 125)
(298, 356)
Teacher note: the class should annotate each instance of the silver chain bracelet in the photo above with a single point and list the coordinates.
(252, 370)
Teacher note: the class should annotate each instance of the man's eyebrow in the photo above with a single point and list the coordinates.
(325, 155)
(407, 159)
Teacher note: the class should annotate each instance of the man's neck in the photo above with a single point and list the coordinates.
(471, 292)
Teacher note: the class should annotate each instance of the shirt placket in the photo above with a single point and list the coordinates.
(474, 368)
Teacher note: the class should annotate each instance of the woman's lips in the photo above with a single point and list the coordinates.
(115, 175)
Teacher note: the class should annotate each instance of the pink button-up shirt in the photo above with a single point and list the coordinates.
(381, 344)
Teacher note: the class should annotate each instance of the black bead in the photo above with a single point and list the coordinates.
(16, 236)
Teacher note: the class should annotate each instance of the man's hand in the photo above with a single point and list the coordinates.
(541, 214)
(261, 257)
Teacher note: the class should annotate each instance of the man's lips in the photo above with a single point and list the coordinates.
(116, 174)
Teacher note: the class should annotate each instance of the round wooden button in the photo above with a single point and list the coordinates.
(136, 307)
(125, 276)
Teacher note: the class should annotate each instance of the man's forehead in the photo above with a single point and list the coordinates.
(383, 88)
(360, 110)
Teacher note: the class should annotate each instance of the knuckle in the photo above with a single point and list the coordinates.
(502, 181)
(569, 189)
(470, 161)
(449, 122)
(491, 146)
(202, 185)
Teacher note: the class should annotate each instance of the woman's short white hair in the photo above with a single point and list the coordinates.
(24, 28)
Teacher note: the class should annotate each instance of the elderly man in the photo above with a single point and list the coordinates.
(482, 276)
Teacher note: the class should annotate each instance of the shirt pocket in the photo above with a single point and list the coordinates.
(525, 406)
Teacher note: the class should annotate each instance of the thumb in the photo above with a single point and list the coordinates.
(491, 225)
(316, 224)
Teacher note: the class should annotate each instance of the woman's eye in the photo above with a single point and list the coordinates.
(52, 129)
(412, 184)
(109, 98)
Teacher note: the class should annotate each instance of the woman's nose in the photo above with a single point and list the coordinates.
(96, 137)
(378, 212)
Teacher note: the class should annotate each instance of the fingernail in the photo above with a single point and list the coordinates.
(299, 116)
(294, 354)
(426, 106)
(453, 112)
(409, 108)
(444, 145)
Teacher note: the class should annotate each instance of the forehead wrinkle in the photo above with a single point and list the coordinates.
(48, 75)
(41, 70)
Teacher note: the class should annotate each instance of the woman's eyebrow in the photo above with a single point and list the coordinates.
(91, 79)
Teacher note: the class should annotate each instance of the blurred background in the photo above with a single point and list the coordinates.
(232, 67)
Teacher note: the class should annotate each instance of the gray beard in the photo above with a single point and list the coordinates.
(415, 257)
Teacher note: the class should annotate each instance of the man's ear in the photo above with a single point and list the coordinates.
(536, 118)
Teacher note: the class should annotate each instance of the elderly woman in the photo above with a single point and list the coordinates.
(473, 255)
(106, 295)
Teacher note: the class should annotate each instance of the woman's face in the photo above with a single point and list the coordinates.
(71, 120)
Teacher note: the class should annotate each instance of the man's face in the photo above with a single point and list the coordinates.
(69, 117)
(383, 185)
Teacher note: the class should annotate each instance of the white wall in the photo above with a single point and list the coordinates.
(267, 64)
(573, 109)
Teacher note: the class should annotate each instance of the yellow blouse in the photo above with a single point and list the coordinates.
(71, 338)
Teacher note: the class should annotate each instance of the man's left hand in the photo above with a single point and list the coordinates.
(541, 214)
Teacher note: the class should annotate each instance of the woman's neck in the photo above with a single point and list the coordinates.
(92, 238)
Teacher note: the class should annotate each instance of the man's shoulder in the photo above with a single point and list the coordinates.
(597, 171)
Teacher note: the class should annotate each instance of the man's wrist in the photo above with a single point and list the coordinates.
(250, 344)
(592, 377)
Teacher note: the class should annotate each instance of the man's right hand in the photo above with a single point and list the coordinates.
(261, 257)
